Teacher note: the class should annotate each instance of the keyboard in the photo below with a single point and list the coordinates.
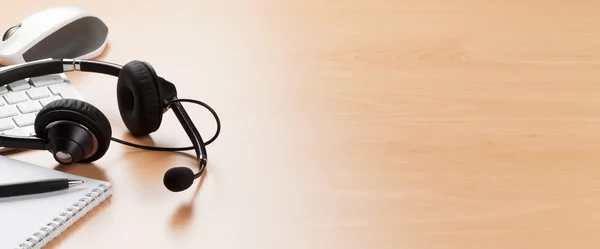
(20, 101)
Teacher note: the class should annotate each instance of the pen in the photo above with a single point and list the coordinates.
(37, 187)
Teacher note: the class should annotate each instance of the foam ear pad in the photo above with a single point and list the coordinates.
(139, 98)
(79, 112)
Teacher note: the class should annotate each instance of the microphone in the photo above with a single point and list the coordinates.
(178, 179)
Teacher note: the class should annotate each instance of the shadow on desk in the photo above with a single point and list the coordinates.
(182, 217)
(88, 170)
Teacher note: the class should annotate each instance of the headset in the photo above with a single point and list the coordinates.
(76, 131)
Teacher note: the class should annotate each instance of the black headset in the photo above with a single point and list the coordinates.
(76, 131)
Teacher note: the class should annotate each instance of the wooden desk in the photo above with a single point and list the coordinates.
(355, 124)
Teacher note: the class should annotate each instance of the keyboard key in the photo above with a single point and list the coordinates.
(24, 120)
(16, 132)
(69, 95)
(57, 89)
(46, 101)
(29, 107)
(65, 90)
(47, 80)
(8, 111)
(38, 93)
(2, 102)
(3, 89)
(15, 97)
(5, 124)
(19, 85)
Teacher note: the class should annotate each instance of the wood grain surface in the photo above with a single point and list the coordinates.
(354, 124)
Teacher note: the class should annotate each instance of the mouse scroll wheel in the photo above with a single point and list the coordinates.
(10, 32)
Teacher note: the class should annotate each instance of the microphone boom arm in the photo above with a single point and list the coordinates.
(193, 134)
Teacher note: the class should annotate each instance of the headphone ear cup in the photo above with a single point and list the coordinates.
(139, 98)
(80, 112)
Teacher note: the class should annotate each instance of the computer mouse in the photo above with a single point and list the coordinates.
(57, 33)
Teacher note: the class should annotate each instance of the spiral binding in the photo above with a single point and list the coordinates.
(57, 226)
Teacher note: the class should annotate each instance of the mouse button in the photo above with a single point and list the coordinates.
(11, 31)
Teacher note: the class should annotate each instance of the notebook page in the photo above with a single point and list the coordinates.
(22, 216)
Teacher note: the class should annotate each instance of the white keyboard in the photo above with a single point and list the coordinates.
(20, 101)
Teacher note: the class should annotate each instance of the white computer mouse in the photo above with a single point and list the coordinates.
(59, 32)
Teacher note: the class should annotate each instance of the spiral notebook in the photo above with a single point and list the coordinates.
(30, 222)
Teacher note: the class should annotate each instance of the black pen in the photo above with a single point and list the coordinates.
(37, 187)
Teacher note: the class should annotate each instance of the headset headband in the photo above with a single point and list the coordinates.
(56, 66)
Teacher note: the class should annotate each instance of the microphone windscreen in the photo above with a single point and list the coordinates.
(178, 179)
